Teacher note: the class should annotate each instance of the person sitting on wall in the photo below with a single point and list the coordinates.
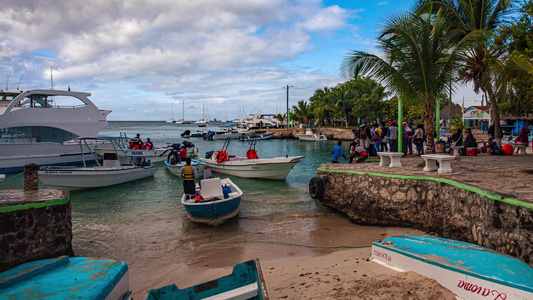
(470, 141)
(521, 139)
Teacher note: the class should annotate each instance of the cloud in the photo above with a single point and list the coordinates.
(382, 3)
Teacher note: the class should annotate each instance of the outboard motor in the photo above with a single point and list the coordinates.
(186, 133)
(209, 154)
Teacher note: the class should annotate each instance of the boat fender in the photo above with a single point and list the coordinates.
(316, 188)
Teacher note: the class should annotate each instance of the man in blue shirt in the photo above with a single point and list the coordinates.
(338, 152)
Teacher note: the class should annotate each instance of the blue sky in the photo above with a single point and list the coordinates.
(141, 58)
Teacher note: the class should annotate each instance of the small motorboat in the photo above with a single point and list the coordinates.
(312, 136)
(67, 278)
(111, 172)
(470, 271)
(186, 134)
(257, 136)
(176, 168)
(245, 282)
(216, 201)
(251, 166)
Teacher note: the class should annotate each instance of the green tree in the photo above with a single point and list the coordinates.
(302, 111)
(474, 21)
(341, 101)
(419, 58)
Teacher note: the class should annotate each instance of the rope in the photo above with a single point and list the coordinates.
(214, 226)
(298, 245)
(19, 174)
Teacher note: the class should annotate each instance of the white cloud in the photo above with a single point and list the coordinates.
(382, 3)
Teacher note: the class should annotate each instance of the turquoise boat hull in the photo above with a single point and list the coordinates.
(66, 278)
(468, 270)
(245, 282)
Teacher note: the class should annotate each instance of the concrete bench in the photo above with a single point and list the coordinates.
(444, 162)
(456, 150)
(390, 159)
(521, 149)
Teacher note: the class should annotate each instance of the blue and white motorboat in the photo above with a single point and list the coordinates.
(66, 278)
(216, 201)
(245, 282)
(176, 168)
(257, 136)
(470, 271)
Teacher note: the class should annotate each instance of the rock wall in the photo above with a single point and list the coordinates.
(34, 230)
(434, 207)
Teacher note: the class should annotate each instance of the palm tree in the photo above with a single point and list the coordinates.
(342, 101)
(302, 111)
(479, 18)
(419, 57)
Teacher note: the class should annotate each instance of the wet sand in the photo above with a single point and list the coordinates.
(302, 257)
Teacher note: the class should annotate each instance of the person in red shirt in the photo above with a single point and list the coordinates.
(182, 154)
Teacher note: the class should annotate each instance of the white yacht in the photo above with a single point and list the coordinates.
(39, 126)
(255, 121)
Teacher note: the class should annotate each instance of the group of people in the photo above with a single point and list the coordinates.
(137, 144)
(383, 137)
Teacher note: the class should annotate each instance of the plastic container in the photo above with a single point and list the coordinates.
(471, 151)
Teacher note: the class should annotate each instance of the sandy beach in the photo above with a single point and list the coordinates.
(328, 259)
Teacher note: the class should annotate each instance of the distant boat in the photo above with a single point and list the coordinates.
(257, 136)
(311, 136)
(219, 200)
(246, 281)
(67, 278)
(182, 121)
(469, 271)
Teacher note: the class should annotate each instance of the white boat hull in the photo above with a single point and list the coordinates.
(266, 168)
(176, 169)
(311, 137)
(92, 177)
(154, 155)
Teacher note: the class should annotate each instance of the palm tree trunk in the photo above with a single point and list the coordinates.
(346, 120)
(429, 122)
(495, 116)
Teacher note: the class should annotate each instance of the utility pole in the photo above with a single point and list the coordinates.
(288, 115)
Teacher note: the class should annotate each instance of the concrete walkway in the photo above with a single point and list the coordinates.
(507, 176)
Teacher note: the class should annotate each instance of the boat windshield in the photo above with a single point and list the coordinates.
(46, 101)
(34, 134)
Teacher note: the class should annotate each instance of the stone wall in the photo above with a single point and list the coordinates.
(434, 207)
(34, 225)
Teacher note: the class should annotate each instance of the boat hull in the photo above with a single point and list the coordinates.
(154, 155)
(66, 278)
(469, 271)
(311, 137)
(213, 212)
(176, 169)
(13, 157)
(267, 168)
(92, 177)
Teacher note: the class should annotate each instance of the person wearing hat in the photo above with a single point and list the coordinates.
(364, 135)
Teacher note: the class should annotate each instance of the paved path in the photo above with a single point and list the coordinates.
(508, 176)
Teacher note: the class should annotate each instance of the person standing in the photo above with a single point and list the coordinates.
(376, 137)
(182, 154)
(364, 135)
(137, 142)
(392, 134)
(418, 138)
(337, 153)
(384, 147)
(189, 173)
(409, 131)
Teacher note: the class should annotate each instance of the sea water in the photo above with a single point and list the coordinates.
(144, 223)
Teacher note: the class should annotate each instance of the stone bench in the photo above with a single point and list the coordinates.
(456, 150)
(390, 159)
(444, 162)
(521, 149)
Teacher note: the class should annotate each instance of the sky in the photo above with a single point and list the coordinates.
(155, 60)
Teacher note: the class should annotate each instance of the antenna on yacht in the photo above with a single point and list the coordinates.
(7, 80)
(18, 86)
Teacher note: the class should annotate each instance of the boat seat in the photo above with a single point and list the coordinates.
(211, 189)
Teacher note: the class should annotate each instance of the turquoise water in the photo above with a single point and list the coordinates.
(144, 224)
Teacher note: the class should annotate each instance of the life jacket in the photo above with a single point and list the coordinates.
(198, 198)
(148, 146)
(131, 145)
(183, 153)
(252, 154)
(363, 153)
(222, 156)
(188, 174)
